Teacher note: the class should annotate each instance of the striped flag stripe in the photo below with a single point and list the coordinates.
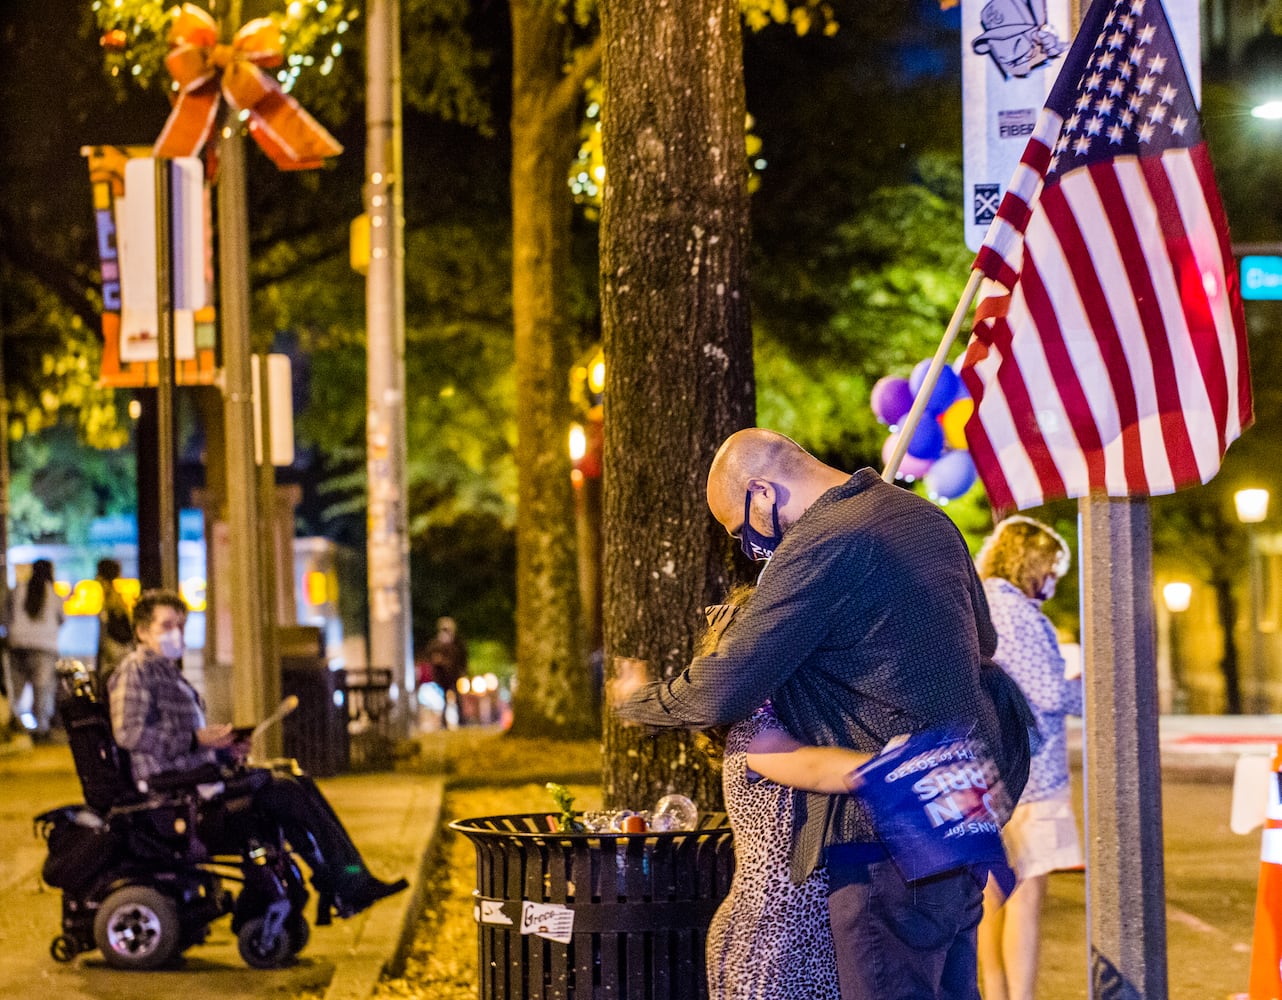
(1115, 185)
(1081, 414)
(1233, 348)
(1099, 359)
(1186, 222)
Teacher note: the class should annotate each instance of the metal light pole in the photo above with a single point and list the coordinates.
(255, 689)
(1253, 507)
(388, 541)
(166, 466)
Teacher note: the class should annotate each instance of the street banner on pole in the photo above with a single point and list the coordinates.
(125, 369)
(1011, 54)
(137, 248)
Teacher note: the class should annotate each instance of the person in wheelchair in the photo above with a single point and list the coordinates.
(159, 718)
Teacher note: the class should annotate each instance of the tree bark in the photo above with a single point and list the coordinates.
(678, 350)
(554, 694)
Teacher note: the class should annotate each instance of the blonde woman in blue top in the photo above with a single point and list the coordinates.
(1020, 564)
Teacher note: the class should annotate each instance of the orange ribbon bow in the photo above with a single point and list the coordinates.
(207, 71)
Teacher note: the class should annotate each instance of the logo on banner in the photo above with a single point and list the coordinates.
(1016, 36)
(988, 197)
(1016, 123)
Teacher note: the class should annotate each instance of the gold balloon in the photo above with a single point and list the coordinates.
(953, 420)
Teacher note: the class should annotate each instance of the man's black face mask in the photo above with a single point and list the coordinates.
(756, 546)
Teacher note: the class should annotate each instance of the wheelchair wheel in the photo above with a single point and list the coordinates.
(256, 954)
(64, 948)
(137, 927)
(299, 932)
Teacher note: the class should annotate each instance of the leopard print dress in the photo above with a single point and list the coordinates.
(770, 939)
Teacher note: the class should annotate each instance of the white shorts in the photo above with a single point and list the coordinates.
(1042, 836)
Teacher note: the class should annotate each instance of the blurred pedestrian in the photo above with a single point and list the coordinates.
(115, 629)
(447, 659)
(1020, 564)
(34, 621)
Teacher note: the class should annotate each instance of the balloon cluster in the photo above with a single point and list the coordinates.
(937, 450)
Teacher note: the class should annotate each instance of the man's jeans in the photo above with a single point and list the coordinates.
(896, 941)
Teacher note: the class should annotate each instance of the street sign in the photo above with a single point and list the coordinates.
(1261, 277)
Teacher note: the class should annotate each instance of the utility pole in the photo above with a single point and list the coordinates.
(255, 682)
(388, 541)
(4, 503)
(166, 467)
(1121, 752)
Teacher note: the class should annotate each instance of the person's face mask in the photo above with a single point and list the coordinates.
(756, 546)
(171, 643)
(1047, 590)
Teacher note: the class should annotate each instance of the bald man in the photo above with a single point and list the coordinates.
(868, 621)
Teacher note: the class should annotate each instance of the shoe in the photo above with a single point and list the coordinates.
(362, 892)
(349, 891)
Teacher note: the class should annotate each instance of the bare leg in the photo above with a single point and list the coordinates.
(1021, 937)
(992, 965)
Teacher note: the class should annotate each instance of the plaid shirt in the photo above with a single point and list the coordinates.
(155, 714)
(869, 621)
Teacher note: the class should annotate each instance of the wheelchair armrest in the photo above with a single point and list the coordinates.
(172, 781)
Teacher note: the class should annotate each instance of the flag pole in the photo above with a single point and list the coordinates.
(909, 424)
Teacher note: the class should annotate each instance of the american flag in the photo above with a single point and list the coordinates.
(1109, 347)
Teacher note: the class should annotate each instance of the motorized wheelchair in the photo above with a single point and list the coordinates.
(145, 871)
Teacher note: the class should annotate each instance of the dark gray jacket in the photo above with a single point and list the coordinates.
(869, 621)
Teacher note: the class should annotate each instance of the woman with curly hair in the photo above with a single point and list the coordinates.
(1020, 564)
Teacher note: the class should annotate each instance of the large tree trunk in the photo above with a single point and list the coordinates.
(678, 350)
(554, 695)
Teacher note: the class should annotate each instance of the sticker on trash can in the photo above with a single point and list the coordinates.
(492, 912)
(547, 920)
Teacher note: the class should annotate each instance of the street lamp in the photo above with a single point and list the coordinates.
(1253, 507)
(1262, 69)
(1176, 595)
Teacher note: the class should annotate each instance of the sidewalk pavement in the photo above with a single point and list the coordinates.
(393, 818)
(1202, 747)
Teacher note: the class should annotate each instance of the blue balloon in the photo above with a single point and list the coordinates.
(951, 475)
(927, 440)
(945, 391)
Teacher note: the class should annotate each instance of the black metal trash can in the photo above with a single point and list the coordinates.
(315, 733)
(632, 910)
(371, 740)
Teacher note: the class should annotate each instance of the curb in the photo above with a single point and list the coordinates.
(386, 934)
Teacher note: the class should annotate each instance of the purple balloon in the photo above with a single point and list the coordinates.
(951, 475)
(945, 391)
(891, 399)
(910, 467)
